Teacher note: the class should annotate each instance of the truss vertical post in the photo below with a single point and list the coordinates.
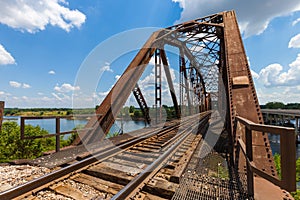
(1, 113)
(181, 87)
(158, 86)
(57, 137)
(184, 83)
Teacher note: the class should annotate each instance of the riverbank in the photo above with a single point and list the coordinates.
(47, 111)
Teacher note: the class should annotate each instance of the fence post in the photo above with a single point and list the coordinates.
(57, 137)
(249, 152)
(22, 127)
(288, 160)
(1, 113)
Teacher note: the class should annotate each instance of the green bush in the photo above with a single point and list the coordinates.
(296, 194)
(12, 147)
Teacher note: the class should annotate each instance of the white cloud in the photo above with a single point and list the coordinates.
(282, 94)
(117, 77)
(15, 84)
(106, 68)
(32, 15)
(66, 87)
(295, 42)
(51, 72)
(53, 100)
(25, 86)
(103, 94)
(296, 22)
(4, 94)
(254, 74)
(254, 16)
(146, 84)
(5, 57)
(273, 75)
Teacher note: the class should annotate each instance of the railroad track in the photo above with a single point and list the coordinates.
(115, 172)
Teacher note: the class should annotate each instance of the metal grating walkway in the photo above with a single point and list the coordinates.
(193, 186)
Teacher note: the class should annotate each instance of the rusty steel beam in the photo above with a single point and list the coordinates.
(158, 85)
(242, 98)
(213, 47)
(186, 84)
(170, 82)
(142, 103)
(1, 113)
(118, 95)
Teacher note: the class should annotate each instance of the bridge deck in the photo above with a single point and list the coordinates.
(292, 113)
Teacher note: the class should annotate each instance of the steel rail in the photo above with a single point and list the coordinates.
(60, 174)
(137, 183)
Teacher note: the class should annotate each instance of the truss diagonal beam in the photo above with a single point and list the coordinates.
(142, 103)
(118, 95)
(170, 82)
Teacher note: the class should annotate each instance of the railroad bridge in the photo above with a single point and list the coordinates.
(215, 101)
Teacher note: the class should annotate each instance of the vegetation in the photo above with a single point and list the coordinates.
(277, 164)
(280, 105)
(46, 111)
(127, 110)
(296, 194)
(12, 147)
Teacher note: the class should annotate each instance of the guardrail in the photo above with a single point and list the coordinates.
(57, 133)
(287, 152)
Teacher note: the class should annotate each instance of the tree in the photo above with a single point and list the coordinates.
(12, 147)
(274, 105)
(137, 114)
(131, 109)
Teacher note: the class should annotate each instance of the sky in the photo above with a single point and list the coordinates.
(45, 45)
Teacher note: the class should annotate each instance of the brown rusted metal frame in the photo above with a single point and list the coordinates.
(142, 103)
(207, 63)
(170, 82)
(287, 152)
(57, 133)
(185, 52)
(185, 84)
(179, 41)
(201, 60)
(158, 85)
(1, 113)
(242, 99)
(102, 124)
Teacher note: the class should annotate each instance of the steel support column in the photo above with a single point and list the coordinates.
(1, 113)
(158, 105)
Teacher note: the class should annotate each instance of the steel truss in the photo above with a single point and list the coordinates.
(213, 73)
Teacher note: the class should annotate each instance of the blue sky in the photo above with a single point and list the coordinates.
(44, 43)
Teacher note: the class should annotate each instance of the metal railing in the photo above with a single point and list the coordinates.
(287, 152)
(57, 133)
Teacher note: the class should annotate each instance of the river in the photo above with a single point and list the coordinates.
(68, 125)
(128, 126)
